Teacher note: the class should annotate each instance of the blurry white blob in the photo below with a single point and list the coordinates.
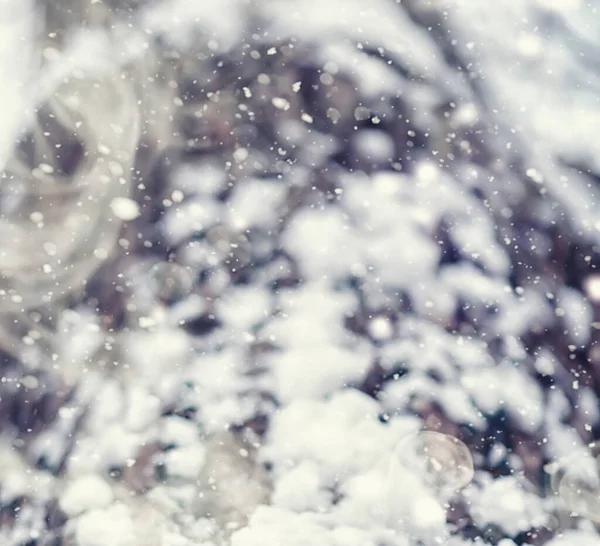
(443, 462)
(591, 288)
(85, 493)
(380, 328)
(125, 209)
(576, 480)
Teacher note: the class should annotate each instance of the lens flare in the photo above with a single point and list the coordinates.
(576, 480)
(443, 462)
(57, 187)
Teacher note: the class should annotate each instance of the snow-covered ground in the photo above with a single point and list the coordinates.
(384, 222)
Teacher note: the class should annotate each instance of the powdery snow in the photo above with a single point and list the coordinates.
(374, 244)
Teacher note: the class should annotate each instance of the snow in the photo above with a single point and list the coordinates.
(375, 145)
(322, 243)
(506, 386)
(142, 409)
(428, 513)
(125, 209)
(84, 494)
(370, 76)
(577, 314)
(592, 288)
(18, 480)
(548, 96)
(185, 462)
(314, 372)
(380, 328)
(342, 435)
(575, 536)
(150, 355)
(180, 19)
(308, 19)
(370, 305)
(251, 200)
(178, 431)
(112, 526)
(244, 308)
(504, 502)
(194, 214)
(300, 490)
(270, 525)
(16, 69)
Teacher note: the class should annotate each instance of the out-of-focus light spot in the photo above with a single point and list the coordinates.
(529, 45)
(591, 287)
(576, 480)
(443, 461)
(427, 172)
(125, 209)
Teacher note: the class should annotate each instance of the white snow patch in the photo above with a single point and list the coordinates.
(142, 409)
(374, 145)
(242, 308)
(277, 527)
(154, 356)
(578, 314)
(255, 203)
(576, 537)
(323, 243)
(504, 502)
(17, 43)
(301, 490)
(179, 431)
(341, 435)
(185, 462)
(85, 493)
(313, 372)
(509, 387)
(310, 316)
(180, 20)
(112, 526)
(196, 214)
